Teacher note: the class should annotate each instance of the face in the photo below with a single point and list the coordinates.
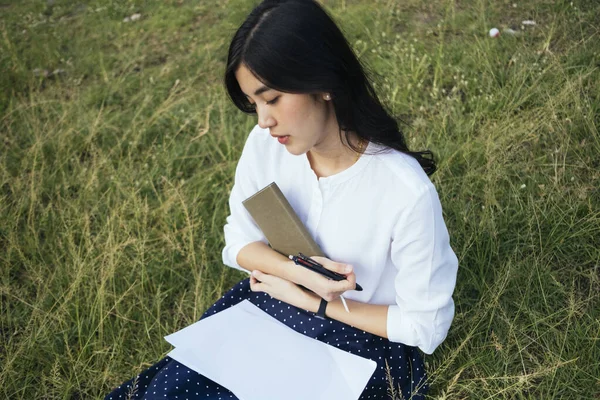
(300, 122)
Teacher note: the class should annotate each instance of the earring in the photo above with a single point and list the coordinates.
(327, 97)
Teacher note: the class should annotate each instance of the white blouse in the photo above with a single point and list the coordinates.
(382, 215)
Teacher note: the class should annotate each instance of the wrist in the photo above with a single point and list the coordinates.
(293, 272)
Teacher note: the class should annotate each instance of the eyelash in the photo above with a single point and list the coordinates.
(253, 105)
(273, 101)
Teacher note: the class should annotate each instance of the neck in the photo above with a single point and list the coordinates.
(333, 155)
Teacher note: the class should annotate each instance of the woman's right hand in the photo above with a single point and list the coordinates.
(326, 288)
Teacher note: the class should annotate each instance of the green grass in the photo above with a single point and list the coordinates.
(114, 177)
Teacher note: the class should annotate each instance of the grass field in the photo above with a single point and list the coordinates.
(118, 147)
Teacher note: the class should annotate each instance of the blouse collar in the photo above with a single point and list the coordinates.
(349, 172)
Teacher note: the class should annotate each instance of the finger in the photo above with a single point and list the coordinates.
(253, 281)
(256, 285)
(255, 275)
(340, 268)
(351, 278)
(267, 279)
(266, 282)
(262, 277)
(339, 286)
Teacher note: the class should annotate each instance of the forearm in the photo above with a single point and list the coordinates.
(259, 256)
(370, 318)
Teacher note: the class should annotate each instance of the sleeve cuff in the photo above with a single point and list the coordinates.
(400, 330)
(230, 256)
(231, 252)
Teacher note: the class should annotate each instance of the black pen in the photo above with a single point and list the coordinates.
(330, 274)
(314, 266)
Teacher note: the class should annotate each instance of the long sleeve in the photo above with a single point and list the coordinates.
(240, 228)
(426, 276)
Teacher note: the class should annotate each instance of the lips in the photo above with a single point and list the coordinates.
(283, 139)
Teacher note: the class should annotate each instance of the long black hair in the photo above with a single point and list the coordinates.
(294, 46)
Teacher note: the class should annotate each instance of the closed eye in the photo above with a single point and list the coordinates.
(270, 102)
(273, 101)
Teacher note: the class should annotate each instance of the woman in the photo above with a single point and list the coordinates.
(342, 162)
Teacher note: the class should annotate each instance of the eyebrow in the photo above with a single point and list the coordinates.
(260, 90)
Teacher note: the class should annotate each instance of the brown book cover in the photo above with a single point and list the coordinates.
(278, 221)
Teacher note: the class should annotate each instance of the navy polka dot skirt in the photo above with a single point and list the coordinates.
(169, 379)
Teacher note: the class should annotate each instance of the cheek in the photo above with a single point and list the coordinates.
(293, 110)
(304, 111)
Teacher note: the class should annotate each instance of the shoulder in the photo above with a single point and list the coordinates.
(403, 173)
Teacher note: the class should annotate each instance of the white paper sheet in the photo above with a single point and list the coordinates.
(259, 358)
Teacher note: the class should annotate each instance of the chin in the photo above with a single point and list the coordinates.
(295, 151)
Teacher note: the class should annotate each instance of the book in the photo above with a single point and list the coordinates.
(280, 224)
(284, 231)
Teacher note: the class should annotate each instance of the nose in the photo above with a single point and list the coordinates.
(265, 119)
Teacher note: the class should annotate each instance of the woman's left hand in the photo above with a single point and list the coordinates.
(281, 289)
